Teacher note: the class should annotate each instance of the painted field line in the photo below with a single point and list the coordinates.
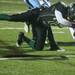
(18, 2)
(16, 58)
(4, 58)
(8, 12)
(24, 24)
(70, 56)
(23, 28)
(59, 28)
(11, 28)
(59, 32)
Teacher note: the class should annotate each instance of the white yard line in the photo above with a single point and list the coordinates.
(16, 58)
(70, 56)
(18, 2)
(59, 32)
(8, 12)
(6, 28)
(4, 58)
(12, 28)
(59, 28)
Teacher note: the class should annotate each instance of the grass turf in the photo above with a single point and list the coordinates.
(31, 62)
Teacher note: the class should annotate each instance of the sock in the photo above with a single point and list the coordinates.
(30, 42)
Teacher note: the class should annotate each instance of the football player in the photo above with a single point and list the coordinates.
(41, 28)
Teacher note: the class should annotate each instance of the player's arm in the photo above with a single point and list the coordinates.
(15, 17)
(64, 22)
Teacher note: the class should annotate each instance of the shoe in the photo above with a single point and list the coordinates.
(20, 39)
(54, 48)
(17, 44)
(57, 49)
(61, 50)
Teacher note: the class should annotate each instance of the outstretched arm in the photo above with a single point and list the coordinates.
(30, 15)
(23, 17)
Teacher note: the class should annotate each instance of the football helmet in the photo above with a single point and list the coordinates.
(72, 11)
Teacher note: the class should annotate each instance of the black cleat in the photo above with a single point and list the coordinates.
(57, 49)
(20, 39)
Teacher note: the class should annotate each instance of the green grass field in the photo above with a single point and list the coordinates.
(24, 60)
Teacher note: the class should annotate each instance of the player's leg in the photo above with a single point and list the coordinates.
(22, 38)
(52, 41)
(41, 37)
(34, 33)
(37, 45)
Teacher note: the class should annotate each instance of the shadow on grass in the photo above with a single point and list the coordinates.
(18, 53)
(14, 52)
(35, 57)
(66, 43)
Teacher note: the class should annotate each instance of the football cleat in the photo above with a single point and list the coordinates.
(61, 50)
(17, 44)
(57, 49)
(20, 39)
